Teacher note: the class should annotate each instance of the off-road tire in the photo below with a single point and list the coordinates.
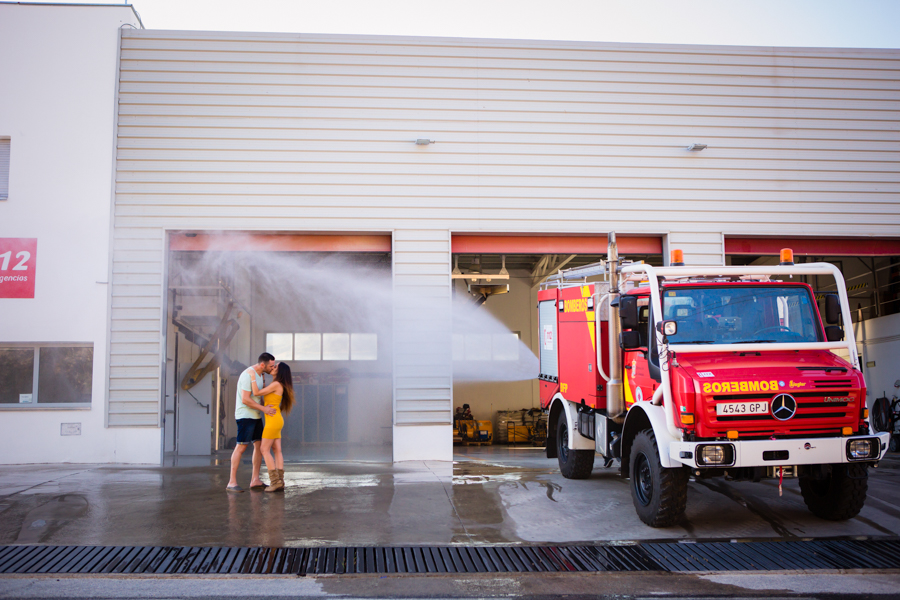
(573, 464)
(659, 494)
(838, 497)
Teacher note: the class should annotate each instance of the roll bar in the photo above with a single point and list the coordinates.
(653, 275)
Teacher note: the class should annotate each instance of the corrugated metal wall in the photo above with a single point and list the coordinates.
(282, 132)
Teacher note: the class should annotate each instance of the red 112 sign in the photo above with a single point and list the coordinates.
(18, 257)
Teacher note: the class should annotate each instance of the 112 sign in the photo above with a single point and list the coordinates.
(18, 257)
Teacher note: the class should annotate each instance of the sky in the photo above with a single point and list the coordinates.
(829, 23)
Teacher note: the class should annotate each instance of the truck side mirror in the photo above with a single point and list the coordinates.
(630, 340)
(628, 312)
(833, 333)
(832, 309)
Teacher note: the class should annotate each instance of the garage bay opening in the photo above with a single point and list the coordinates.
(496, 396)
(320, 303)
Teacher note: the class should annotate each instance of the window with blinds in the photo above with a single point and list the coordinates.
(4, 168)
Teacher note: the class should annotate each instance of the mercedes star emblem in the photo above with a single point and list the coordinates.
(783, 407)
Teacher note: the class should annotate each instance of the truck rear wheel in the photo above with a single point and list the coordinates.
(840, 495)
(659, 494)
(573, 464)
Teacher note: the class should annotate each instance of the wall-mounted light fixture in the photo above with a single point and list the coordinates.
(697, 147)
(423, 142)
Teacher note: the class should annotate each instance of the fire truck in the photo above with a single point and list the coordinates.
(677, 372)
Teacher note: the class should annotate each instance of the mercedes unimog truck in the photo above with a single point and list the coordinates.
(678, 371)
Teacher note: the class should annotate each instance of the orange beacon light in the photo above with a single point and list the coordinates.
(787, 256)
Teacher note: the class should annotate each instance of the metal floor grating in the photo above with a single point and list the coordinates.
(650, 556)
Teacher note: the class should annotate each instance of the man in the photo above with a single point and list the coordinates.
(249, 421)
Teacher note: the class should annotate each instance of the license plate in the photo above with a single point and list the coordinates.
(742, 408)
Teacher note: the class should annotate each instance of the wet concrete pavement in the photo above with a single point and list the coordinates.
(534, 586)
(489, 495)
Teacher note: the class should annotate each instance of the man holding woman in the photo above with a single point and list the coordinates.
(278, 396)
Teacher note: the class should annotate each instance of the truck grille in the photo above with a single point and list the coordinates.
(833, 383)
(810, 405)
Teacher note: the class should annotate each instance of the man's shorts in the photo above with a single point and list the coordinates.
(249, 430)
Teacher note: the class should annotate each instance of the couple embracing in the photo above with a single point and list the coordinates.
(253, 398)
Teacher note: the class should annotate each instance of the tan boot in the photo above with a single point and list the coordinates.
(277, 481)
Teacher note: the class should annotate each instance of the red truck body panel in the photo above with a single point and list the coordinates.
(576, 347)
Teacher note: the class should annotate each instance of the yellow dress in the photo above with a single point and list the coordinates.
(272, 430)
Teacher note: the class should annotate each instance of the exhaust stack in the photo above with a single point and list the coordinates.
(614, 403)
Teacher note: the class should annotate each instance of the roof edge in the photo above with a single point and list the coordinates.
(80, 4)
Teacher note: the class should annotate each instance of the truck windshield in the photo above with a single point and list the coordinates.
(736, 314)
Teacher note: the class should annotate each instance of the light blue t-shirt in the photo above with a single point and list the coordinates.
(242, 411)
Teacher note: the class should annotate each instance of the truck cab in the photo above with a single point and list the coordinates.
(816, 392)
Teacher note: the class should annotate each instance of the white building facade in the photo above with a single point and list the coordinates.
(292, 136)
(57, 121)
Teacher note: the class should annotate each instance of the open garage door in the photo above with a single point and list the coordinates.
(320, 303)
(871, 270)
(495, 338)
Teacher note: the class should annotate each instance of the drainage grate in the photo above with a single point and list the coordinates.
(651, 556)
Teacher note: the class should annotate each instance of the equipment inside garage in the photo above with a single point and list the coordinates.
(326, 313)
(492, 405)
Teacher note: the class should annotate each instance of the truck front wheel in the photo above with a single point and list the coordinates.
(573, 464)
(839, 495)
(659, 494)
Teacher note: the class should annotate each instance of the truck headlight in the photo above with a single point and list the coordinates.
(861, 449)
(715, 454)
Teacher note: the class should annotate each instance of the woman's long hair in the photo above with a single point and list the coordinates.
(284, 377)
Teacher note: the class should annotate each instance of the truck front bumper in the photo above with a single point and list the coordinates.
(768, 453)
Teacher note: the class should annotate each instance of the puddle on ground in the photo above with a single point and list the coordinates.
(49, 517)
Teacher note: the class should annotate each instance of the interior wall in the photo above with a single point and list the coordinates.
(517, 310)
(878, 341)
(865, 277)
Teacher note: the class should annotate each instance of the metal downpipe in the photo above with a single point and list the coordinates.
(614, 403)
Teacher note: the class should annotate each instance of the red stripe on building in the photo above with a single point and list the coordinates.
(813, 246)
(256, 242)
(540, 244)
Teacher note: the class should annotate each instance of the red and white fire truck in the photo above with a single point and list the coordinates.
(683, 371)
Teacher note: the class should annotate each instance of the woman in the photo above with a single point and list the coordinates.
(280, 394)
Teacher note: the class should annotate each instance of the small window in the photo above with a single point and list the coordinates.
(280, 345)
(322, 346)
(307, 346)
(363, 346)
(486, 347)
(4, 168)
(335, 346)
(505, 346)
(478, 346)
(46, 375)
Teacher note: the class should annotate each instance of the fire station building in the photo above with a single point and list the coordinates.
(173, 203)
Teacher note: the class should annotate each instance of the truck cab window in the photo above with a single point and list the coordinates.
(764, 313)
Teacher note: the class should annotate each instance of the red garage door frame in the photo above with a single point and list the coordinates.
(278, 242)
(552, 244)
(813, 246)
